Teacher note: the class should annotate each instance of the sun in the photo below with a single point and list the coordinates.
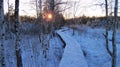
(50, 16)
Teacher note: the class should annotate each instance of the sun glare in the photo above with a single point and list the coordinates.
(50, 16)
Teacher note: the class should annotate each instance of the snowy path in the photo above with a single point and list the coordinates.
(73, 55)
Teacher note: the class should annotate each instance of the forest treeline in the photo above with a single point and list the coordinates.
(90, 21)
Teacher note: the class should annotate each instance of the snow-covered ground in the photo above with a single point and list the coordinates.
(92, 43)
(33, 53)
(86, 48)
(73, 55)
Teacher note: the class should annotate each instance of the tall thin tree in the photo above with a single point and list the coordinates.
(36, 3)
(52, 5)
(40, 15)
(17, 33)
(106, 34)
(8, 14)
(114, 34)
(40, 6)
(41, 21)
(2, 34)
(51, 8)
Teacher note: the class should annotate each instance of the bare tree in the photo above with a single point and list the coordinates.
(106, 34)
(17, 33)
(39, 8)
(36, 2)
(40, 16)
(75, 9)
(2, 34)
(8, 14)
(114, 34)
(52, 5)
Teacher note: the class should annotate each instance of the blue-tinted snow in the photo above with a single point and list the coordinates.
(90, 44)
(73, 55)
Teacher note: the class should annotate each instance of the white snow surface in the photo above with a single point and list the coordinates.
(73, 55)
(86, 48)
(92, 43)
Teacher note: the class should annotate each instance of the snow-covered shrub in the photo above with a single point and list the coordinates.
(30, 28)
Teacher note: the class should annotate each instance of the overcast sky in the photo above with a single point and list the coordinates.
(76, 7)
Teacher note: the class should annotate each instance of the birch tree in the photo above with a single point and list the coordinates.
(17, 33)
(2, 34)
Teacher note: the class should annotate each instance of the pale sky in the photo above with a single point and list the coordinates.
(84, 7)
(25, 7)
(76, 7)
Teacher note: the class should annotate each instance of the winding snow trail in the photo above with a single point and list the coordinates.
(73, 55)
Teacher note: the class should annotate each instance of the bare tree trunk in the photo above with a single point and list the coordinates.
(2, 34)
(74, 21)
(41, 21)
(52, 5)
(51, 10)
(8, 15)
(40, 7)
(36, 1)
(106, 34)
(114, 35)
(40, 15)
(17, 33)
